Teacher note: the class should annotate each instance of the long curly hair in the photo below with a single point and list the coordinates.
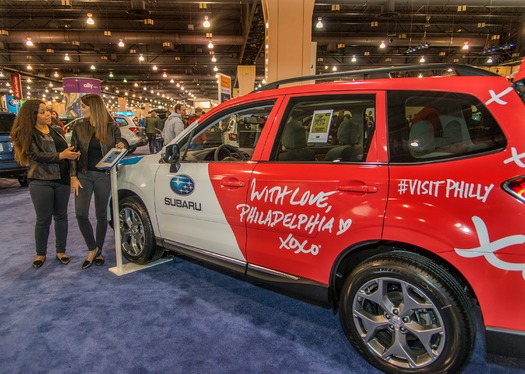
(22, 130)
(99, 116)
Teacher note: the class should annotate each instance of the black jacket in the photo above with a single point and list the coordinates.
(44, 160)
(81, 137)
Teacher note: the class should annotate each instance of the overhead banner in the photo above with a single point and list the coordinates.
(225, 88)
(81, 85)
(16, 86)
(74, 89)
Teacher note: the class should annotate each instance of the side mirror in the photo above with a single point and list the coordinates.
(171, 154)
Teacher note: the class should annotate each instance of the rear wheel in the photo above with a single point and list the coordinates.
(137, 237)
(406, 314)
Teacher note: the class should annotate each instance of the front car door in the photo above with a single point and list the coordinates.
(214, 173)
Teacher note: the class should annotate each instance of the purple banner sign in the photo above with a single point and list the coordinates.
(81, 85)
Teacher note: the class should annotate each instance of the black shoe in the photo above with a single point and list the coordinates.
(38, 263)
(88, 263)
(64, 259)
(99, 260)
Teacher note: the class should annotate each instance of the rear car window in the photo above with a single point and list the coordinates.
(426, 126)
(327, 129)
(6, 121)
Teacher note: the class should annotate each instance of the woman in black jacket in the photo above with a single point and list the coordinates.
(93, 136)
(43, 147)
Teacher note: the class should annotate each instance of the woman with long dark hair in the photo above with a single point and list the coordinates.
(42, 145)
(93, 136)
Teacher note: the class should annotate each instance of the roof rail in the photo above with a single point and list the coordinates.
(462, 70)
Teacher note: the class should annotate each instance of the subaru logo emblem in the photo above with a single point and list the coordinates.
(182, 185)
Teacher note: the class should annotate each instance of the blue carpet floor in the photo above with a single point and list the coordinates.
(177, 317)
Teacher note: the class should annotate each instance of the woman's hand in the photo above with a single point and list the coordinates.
(120, 145)
(75, 185)
(69, 154)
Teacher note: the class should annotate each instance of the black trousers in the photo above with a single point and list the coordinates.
(98, 184)
(50, 200)
(152, 143)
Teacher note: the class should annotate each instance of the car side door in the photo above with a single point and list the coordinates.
(322, 190)
(190, 202)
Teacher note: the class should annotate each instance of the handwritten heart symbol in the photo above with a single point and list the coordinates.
(344, 225)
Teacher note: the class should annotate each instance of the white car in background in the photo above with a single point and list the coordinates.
(133, 135)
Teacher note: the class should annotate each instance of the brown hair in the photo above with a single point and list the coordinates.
(99, 116)
(22, 130)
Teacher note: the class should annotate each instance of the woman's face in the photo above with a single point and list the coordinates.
(43, 116)
(84, 109)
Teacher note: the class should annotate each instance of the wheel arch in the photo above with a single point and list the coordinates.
(357, 254)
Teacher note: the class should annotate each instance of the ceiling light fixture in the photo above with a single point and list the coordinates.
(490, 61)
(334, 68)
(465, 46)
(92, 67)
(165, 75)
(121, 43)
(155, 67)
(382, 45)
(206, 22)
(215, 68)
(319, 23)
(56, 74)
(66, 57)
(141, 58)
(111, 74)
(210, 45)
(422, 59)
(89, 20)
(354, 59)
(29, 67)
(29, 43)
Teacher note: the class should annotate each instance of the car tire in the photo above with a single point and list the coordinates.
(406, 314)
(136, 232)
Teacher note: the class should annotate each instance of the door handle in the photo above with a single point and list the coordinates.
(362, 189)
(232, 182)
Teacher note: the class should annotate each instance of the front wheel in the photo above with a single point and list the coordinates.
(137, 237)
(406, 314)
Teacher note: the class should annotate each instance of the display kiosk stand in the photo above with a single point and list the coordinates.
(109, 163)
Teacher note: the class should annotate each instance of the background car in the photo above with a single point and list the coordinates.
(133, 135)
(9, 168)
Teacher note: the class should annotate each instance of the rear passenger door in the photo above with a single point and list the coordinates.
(322, 189)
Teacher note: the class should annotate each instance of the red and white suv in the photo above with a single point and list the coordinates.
(396, 199)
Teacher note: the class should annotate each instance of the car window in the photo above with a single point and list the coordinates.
(238, 129)
(6, 121)
(121, 121)
(426, 126)
(333, 129)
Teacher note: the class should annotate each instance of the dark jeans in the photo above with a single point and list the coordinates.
(50, 200)
(96, 183)
(152, 143)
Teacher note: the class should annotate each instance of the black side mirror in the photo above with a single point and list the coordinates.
(171, 154)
